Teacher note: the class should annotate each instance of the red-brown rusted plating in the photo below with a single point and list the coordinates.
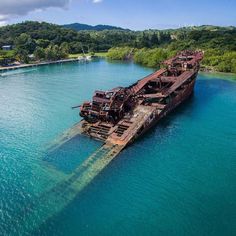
(120, 115)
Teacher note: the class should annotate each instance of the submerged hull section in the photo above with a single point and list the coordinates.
(119, 116)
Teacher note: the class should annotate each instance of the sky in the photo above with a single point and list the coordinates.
(132, 14)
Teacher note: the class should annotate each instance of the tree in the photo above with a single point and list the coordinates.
(22, 55)
(54, 52)
(154, 39)
(65, 48)
(43, 43)
(39, 53)
(50, 53)
(25, 42)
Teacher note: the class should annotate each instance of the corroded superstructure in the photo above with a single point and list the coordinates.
(120, 115)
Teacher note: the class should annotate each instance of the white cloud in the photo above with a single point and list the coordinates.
(9, 8)
(97, 1)
(2, 23)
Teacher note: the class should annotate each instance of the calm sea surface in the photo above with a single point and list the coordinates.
(179, 179)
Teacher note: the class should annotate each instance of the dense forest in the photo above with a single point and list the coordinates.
(50, 42)
(218, 44)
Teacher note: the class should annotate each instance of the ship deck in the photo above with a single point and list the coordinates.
(131, 126)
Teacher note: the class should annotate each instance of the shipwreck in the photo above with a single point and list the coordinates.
(120, 115)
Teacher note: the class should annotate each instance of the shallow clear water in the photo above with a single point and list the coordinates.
(179, 179)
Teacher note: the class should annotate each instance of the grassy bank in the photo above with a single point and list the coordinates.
(96, 54)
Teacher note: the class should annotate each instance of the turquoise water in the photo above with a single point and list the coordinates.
(179, 179)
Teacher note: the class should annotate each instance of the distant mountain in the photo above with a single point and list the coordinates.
(78, 27)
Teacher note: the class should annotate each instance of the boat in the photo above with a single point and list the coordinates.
(121, 115)
(84, 58)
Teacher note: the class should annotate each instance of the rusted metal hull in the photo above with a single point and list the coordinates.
(176, 102)
(121, 115)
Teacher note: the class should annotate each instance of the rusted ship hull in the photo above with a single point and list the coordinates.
(175, 103)
(121, 115)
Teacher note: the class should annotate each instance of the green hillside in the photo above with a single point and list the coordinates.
(49, 42)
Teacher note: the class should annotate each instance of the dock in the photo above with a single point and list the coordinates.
(22, 66)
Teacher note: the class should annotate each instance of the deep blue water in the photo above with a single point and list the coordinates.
(178, 179)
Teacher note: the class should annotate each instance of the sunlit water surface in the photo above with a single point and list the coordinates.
(178, 179)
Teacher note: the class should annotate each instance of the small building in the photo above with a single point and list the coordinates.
(7, 47)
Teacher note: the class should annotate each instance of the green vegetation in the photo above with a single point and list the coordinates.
(6, 57)
(119, 53)
(218, 43)
(150, 47)
(145, 56)
(101, 54)
(152, 57)
(96, 54)
(224, 61)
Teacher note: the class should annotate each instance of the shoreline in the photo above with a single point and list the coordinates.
(217, 72)
(22, 66)
(220, 75)
(9, 68)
